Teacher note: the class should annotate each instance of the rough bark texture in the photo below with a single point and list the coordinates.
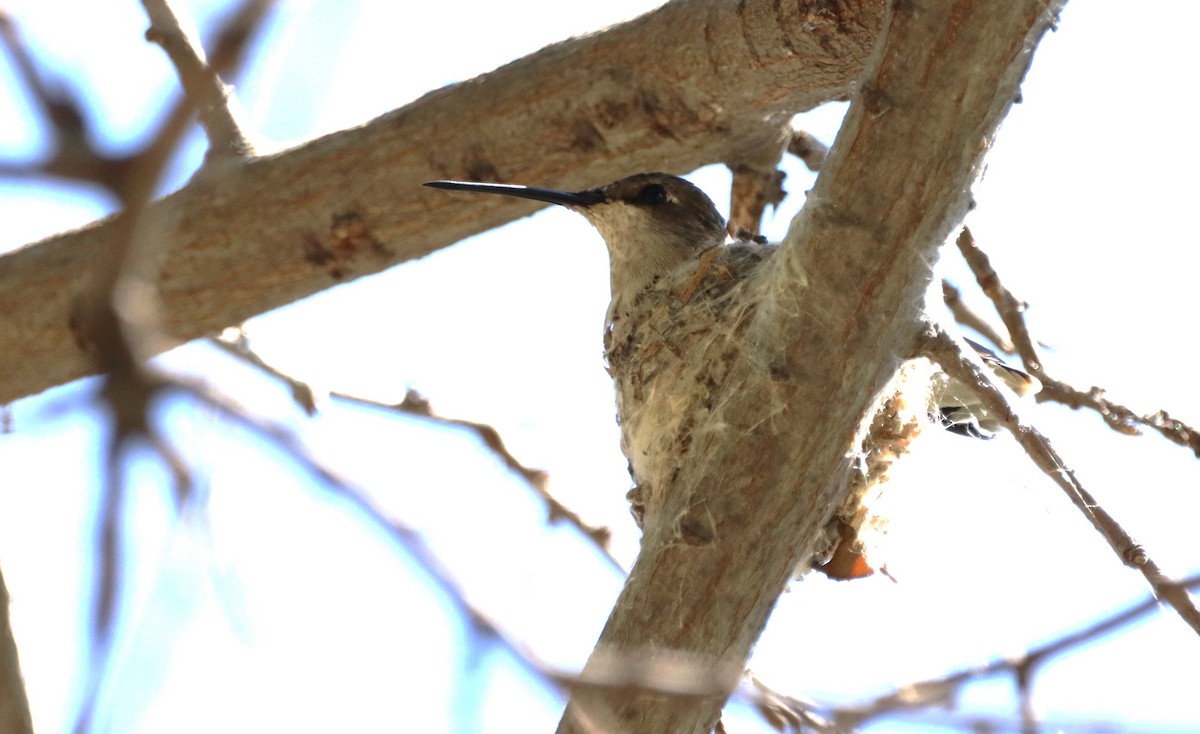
(838, 306)
(695, 82)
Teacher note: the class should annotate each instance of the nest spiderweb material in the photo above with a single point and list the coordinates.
(688, 369)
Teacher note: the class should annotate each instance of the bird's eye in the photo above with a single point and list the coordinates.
(652, 194)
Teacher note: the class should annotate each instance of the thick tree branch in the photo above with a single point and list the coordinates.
(836, 310)
(683, 86)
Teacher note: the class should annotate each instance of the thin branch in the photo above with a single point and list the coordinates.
(1117, 416)
(405, 538)
(115, 323)
(808, 148)
(229, 48)
(211, 98)
(129, 391)
(964, 315)
(536, 479)
(231, 41)
(942, 690)
(667, 675)
(943, 349)
(60, 108)
(417, 406)
(74, 156)
(652, 672)
(753, 190)
(787, 713)
(757, 182)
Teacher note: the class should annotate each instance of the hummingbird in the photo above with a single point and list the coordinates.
(682, 297)
(652, 223)
(671, 275)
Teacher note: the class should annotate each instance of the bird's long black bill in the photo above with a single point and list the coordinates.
(550, 196)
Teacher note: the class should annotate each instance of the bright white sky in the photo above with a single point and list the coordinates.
(277, 609)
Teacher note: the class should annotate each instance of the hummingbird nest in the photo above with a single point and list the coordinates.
(672, 353)
(688, 371)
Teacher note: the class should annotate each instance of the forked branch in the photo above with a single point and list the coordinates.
(943, 349)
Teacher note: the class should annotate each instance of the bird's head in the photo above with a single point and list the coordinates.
(651, 222)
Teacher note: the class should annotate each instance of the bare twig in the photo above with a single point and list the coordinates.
(74, 155)
(209, 95)
(757, 183)
(655, 672)
(1009, 308)
(416, 405)
(807, 148)
(787, 713)
(62, 111)
(403, 536)
(942, 690)
(753, 190)
(943, 349)
(1117, 416)
(116, 324)
(964, 315)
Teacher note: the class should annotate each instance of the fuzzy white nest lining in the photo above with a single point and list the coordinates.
(689, 368)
